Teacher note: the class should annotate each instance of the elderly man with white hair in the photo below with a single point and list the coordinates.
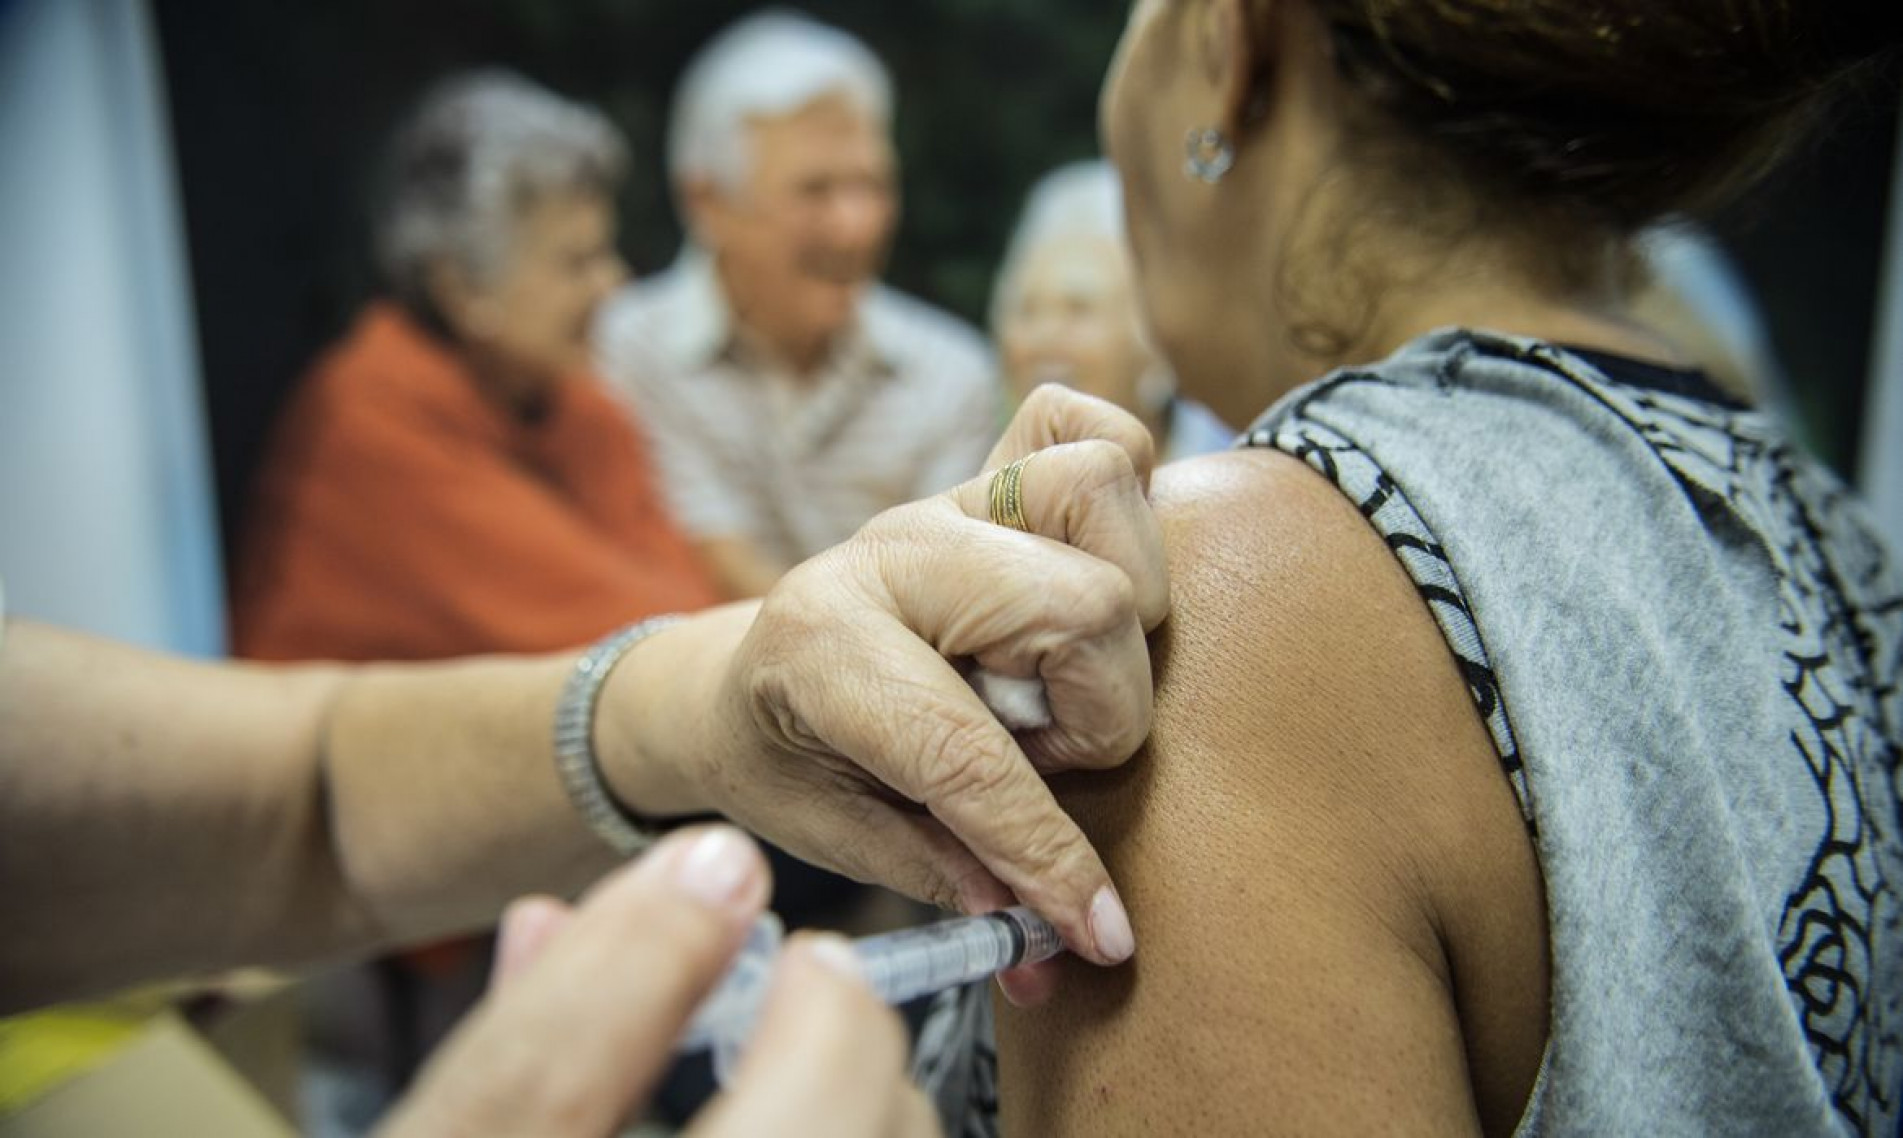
(790, 396)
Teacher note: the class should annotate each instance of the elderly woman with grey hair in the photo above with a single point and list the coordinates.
(450, 479)
(1064, 310)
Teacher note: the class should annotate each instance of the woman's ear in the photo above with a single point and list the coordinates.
(1239, 50)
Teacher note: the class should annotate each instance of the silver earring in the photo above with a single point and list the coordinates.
(1210, 155)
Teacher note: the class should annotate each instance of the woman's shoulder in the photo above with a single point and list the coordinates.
(1319, 849)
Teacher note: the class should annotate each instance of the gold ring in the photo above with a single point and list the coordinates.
(1007, 496)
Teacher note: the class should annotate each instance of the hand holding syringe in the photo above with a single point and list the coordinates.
(898, 966)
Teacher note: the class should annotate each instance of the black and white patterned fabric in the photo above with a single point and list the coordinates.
(1685, 642)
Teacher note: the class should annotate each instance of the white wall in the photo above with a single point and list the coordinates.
(1882, 474)
(106, 514)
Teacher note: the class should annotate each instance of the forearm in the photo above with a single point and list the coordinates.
(154, 813)
(159, 817)
(442, 779)
(442, 797)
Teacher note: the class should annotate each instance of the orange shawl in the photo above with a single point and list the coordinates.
(401, 515)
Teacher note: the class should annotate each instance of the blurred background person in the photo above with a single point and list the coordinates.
(451, 480)
(791, 396)
(1064, 310)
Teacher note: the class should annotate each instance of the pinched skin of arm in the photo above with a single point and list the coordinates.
(1339, 914)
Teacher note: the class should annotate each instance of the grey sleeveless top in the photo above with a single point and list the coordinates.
(1685, 641)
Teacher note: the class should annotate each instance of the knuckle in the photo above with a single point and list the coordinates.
(1108, 464)
(1109, 490)
(1113, 747)
(1153, 604)
(1087, 747)
(1129, 734)
(1095, 599)
(1118, 595)
(889, 550)
(1119, 716)
(889, 526)
(951, 893)
(1048, 400)
(912, 873)
(963, 762)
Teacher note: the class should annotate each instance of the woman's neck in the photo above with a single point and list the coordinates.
(1348, 265)
(1469, 289)
(1573, 321)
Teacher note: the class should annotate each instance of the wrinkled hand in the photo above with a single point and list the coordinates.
(587, 1004)
(864, 748)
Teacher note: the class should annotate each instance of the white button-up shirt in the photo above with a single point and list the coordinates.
(908, 404)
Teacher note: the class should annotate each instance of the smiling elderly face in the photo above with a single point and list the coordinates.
(808, 231)
(1072, 319)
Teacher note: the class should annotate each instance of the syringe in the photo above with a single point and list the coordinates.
(898, 966)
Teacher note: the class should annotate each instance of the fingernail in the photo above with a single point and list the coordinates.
(1110, 927)
(717, 869)
(835, 953)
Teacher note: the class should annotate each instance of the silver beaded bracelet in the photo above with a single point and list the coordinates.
(575, 758)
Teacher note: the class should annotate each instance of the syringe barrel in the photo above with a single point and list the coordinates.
(898, 966)
(911, 963)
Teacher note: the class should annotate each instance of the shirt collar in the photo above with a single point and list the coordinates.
(699, 329)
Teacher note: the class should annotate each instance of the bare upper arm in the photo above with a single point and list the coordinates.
(1337, 907)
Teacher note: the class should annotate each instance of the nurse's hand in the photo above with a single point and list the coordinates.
(587, 1004)
(837, 721)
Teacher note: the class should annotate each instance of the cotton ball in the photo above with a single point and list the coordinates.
(1018, 703)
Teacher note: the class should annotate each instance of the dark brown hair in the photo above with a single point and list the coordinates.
(1616, 111)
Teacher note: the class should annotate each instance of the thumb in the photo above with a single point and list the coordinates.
(575, 1038)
